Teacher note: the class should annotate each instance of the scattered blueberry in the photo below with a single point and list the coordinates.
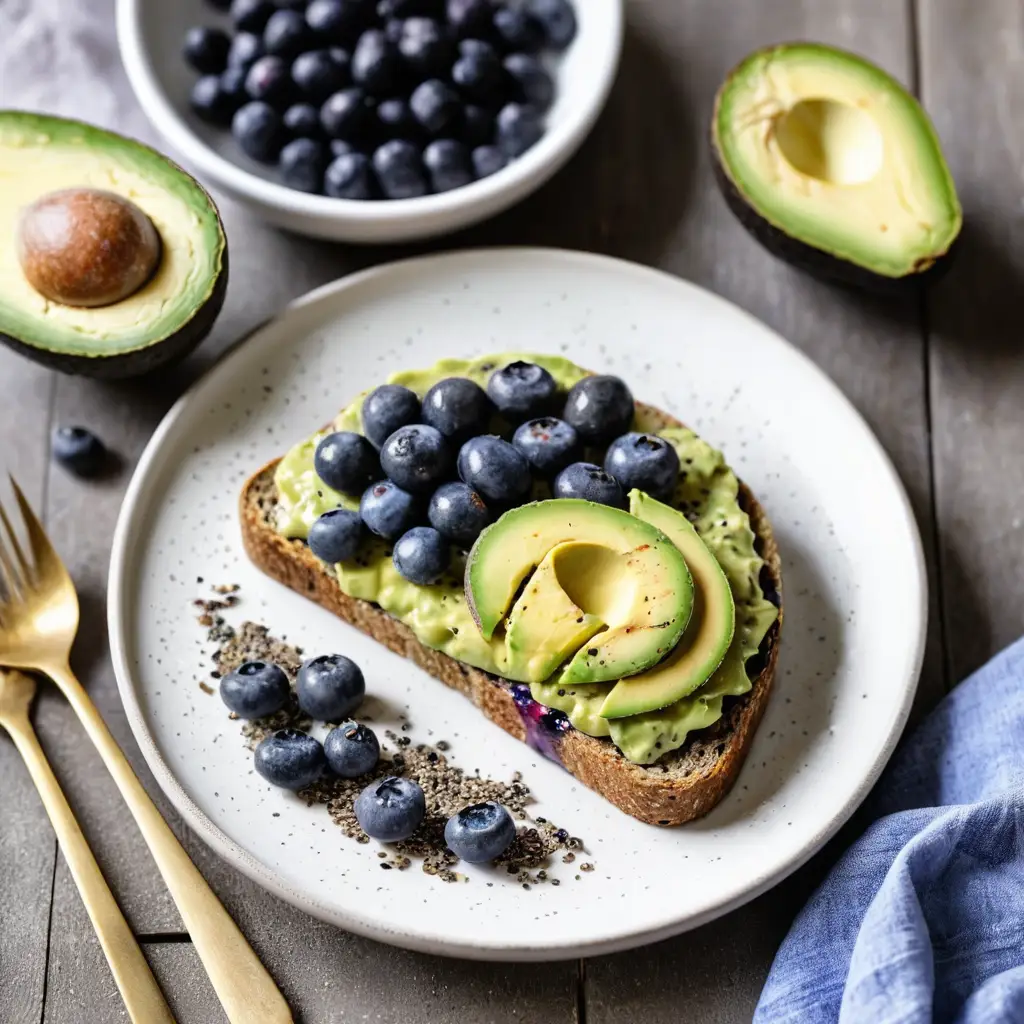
(375, 63)
(232, 87)
(589, 482)
(206, 49)
(416, 457)
(246, 48)
(336, 536)
(390, 809)
(518, 29)
(343, 115)
(422, 555)
(478, 76)
(286, 34)
(317, 74)
(480, 833)
(521, 390)
(251, 15)
(457, 407)
(269, 79)
(477, 126)
(348, 175)
(346, 461)
(399, 170)
(351, 750)
(436, 106)
(519, 127)
(290, 759)
(258, 131)
(558, 19)
(533, 85)
(387, 408)
(210, 102)
(600, 408)
(469, 17)
(395, 120)
(425, 47)
(302, 163)
(302, 121)
(495, 468)
(488, 160)
(79, 450)
(644, 461)
(459, 513)
(387, 510)
(549, 444)
(330, 687)
(255, 689)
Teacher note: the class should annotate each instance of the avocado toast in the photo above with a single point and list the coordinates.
(666, 744)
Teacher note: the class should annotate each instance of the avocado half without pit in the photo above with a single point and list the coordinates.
(113, 260)
(833, 166)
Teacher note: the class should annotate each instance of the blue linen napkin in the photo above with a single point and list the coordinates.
(923, 918)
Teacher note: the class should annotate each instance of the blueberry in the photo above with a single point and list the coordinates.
(395, 120)
(348, 175)
(375, 63)
(339, 147)
(644, 461)
(425, 47)
(600, 408)
(352, 750)
(286, 34)
(477, 48)
(206, 49)
(302, 121)
(422, 556)
(387, 510)
(557, 18)
(518, 30)
(520, 126)
(346, 461)
(336, 536)
(521, 390)
(302, 164)
(269, 79)
(255, 689)
(589, 482)
(258, 131)
(246, 48)
(477, 126)
(469, 17)
(495, 468)
(330, 687)
(480, 833)
(317, 74)
(385, 409)
(251, 15)
(459, 513)
(336, 21)
(478, 76)
(549, 444)
(290, 759)
(532, 83)
(390, 809)
(399, 170)
(210, 102)
(408, 8)
(343, 115)
(232, 86)
(488, 160)
(79, 450)
(436, 106)
(457, 407)
(416, 457)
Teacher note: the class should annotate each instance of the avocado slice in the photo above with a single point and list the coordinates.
(545, 626)
(622, 570)
(708, 634)
(174, 302)
(833, 166)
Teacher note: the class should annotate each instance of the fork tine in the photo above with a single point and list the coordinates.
(26, 572)
(8, 575)
(42, 550)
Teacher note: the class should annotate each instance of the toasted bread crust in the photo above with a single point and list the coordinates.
(683, 785)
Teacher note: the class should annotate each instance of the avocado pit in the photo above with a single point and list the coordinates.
(87, 247)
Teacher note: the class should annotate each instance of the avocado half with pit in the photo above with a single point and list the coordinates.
(833, 166)
(113, 260)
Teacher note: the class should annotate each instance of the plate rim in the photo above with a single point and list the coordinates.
(227, 849)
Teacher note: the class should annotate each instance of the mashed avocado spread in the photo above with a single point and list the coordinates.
(708, 495)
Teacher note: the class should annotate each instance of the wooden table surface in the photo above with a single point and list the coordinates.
(940, 380)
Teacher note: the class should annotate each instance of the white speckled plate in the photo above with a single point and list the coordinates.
(853, 577)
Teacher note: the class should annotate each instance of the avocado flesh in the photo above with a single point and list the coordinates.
(707, 636)
(833, 165)
(545, 626)
(165, 318)
(646, 595)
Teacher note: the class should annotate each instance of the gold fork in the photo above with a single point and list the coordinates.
(38, 623)
(141, 994)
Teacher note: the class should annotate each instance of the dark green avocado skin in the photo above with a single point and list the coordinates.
(816, 262)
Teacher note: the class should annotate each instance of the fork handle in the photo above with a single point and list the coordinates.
(142, 996)
(243, 985)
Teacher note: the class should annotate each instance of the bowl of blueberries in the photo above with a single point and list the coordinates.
(373, 121)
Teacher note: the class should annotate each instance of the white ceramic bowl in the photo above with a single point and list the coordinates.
(150, 33)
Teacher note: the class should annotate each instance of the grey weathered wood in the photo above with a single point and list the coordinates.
(972, 71)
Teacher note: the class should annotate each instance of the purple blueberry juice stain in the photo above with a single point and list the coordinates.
(544, 726)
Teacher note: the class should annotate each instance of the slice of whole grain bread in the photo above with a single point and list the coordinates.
(683, 785)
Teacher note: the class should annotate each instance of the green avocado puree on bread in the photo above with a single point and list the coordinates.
(707, 493)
